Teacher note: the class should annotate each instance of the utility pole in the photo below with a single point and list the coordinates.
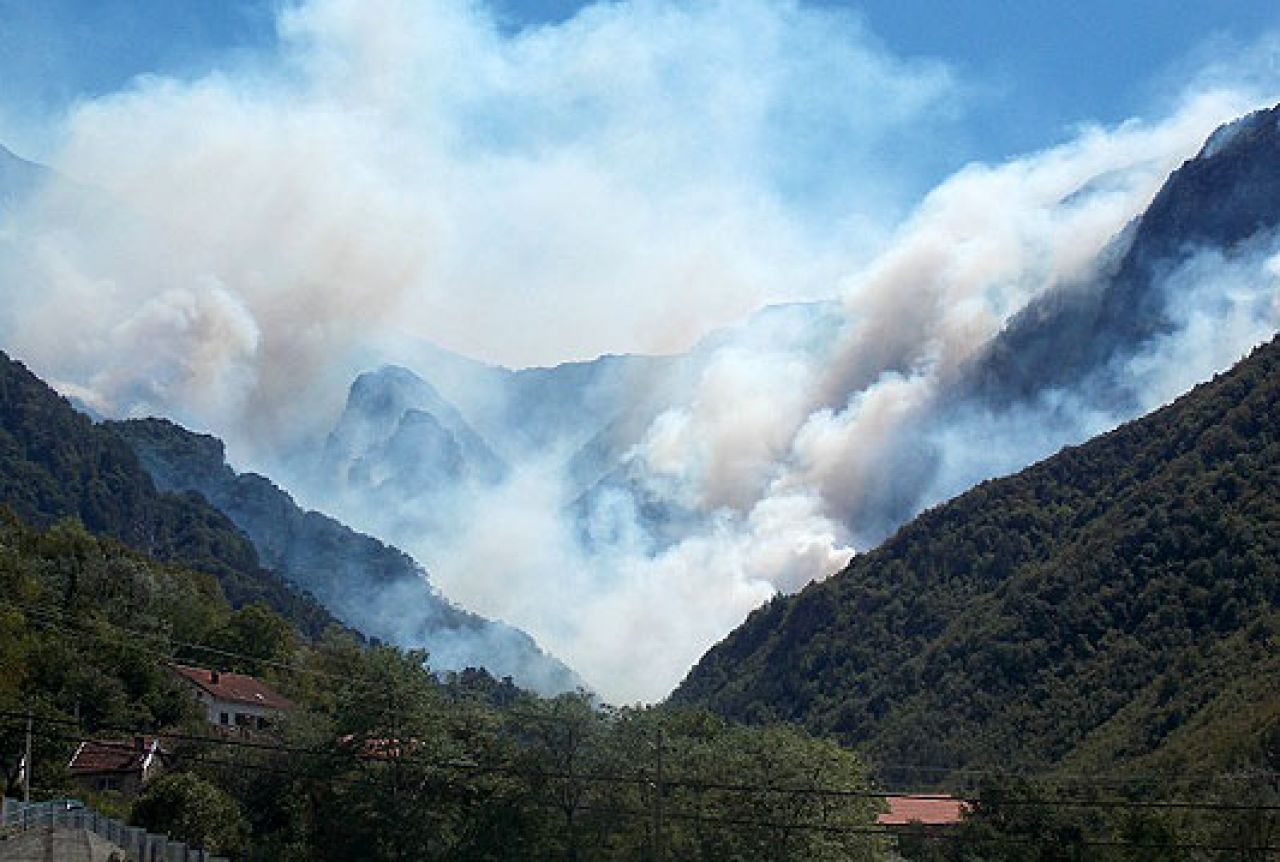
(26, 762)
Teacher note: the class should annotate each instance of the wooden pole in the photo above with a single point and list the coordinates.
(26, 762)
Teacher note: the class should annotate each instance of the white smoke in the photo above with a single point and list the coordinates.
(797, 455)
(625, 181)
(622, 182)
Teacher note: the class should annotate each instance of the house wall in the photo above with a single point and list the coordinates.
(127, 784)
(232, 713)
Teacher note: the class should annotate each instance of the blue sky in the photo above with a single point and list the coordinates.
(1034, 68)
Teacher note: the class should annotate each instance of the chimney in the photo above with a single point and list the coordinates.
(213, 677)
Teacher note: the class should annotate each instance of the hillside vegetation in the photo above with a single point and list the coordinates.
(55, 463)
(1115, 607)
(381, 760)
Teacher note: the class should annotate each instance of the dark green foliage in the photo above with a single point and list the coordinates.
(416, 775)
(1113, 606)
(253, 639)
(85, 624)
(55, 463)
(1020, 820)
(382, 761)
(191, 809)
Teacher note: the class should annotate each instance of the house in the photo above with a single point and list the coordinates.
(930, 811)
(123, 766)
(233, 700)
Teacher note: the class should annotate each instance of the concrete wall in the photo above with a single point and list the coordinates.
(51, 828)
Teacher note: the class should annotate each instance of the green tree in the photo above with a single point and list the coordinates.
(191, 809)
(258, 636)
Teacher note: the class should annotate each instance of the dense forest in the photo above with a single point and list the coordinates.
(56, 463)
(1114, 608)
(384, 761)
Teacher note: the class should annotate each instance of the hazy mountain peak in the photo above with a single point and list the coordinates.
(1220, 200)
(373, 586)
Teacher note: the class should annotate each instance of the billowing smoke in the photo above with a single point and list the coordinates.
(407, 165)
(641, 178)
(795, 453)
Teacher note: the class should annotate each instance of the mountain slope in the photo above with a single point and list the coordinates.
(374, 587)
(55, 464)
(1117, 603)
(1222, 199)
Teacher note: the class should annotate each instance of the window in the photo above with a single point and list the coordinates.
(225, 719)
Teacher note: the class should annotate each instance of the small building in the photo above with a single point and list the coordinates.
(122, 766)
(233, 700)
(930, 811)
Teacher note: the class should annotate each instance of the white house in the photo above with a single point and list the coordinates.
(233, 699)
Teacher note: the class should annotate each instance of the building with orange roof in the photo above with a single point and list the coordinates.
(923, 809)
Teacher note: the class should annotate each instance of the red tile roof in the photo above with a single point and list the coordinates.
(127, 756)
(380, 748)
(235, 687)
(926, 810)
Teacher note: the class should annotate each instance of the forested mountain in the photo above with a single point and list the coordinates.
(1223, 200)
(485, 771)
(1115, 606)
(56, 463)
(375, 587)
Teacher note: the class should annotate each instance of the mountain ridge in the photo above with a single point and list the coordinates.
(55, 463)
(1087, 610)
(1225, 195)
(368, 584)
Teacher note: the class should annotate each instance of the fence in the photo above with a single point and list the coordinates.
(138, 844)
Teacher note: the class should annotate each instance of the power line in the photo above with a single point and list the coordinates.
(56, 618)
(759, 824)
(676, 813)
(51, 619)
(673, 782)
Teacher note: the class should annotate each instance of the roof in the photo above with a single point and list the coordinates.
(234, 687)
(108, 756)
(380, 748)
(926, 810)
